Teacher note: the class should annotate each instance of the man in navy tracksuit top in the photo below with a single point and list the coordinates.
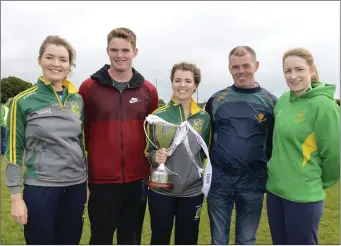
(242, 121)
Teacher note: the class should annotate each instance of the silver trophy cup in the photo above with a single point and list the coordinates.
(164, 135)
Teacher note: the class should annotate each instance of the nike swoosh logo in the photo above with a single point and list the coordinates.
(134, 100)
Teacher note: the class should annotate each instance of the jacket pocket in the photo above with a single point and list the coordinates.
(77, 157)
(50, 162)
(192, 180)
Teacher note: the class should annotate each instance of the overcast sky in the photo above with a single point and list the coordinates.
(170, 32)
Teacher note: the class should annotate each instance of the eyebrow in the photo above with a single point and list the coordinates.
(125, 49)
(294, 68)
(184, 79)
(53, 56)
(248, 64)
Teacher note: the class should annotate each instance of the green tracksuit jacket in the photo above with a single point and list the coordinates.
(190, 183)
(51, 133)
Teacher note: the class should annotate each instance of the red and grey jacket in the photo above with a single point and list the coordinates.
(113, 127)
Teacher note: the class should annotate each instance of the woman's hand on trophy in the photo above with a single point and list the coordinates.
(160, 156)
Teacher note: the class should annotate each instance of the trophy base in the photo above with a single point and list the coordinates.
(155, 185)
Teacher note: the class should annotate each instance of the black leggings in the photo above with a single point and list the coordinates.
(55, 214)
(186, 210)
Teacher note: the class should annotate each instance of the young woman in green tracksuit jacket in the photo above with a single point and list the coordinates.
(46, 121)
(306, 152)
(185, 200)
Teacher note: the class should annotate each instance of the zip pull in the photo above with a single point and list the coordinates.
(67, 97)
(58, 99)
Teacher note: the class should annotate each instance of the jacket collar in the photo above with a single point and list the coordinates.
(246, 90)
(102, 76)
(67, 84)
(194, 106)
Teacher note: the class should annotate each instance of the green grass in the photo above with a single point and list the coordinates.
(329, 231)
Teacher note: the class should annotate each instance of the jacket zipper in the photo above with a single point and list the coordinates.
(62, 106)
(121, 128)
(181, 113)
(189, 116)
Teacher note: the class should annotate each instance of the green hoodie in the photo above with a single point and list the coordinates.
(306, 145)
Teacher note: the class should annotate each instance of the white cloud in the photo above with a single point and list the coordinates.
(170, 32)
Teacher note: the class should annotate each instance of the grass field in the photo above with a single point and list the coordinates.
(329, 232)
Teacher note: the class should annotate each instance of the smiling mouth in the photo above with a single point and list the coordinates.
(295, 82)
(54, 71)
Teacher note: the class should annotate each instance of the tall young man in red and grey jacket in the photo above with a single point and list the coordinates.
(117, 99)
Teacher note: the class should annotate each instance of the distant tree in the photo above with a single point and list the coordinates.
(161, 102)
(12, 86)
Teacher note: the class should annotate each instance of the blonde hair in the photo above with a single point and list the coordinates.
(306, 55)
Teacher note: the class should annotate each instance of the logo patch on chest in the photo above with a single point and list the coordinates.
(197, 124)
(134, 100)
(260, 118)
(75, 108)
(299, 117)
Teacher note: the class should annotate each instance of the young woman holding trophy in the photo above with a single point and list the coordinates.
(177, 138)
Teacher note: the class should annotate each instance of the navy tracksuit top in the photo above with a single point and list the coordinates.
(242, 127)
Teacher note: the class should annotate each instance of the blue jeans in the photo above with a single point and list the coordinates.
(248, 212)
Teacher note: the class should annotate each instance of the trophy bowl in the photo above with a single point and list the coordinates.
(163, 135)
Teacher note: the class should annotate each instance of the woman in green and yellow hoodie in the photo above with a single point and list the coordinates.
(306, 152)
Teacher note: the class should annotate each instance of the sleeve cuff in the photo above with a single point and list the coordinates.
(15, 189)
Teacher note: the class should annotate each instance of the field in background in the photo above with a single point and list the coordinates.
(329, 232)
